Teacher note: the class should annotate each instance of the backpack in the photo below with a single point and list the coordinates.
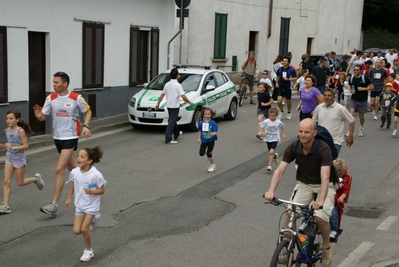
(324, 135)
(246, 63)
(363, 79)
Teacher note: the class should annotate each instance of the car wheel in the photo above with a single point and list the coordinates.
(193, 127)
(232, 112)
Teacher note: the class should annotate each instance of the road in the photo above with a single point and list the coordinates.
(161, 207)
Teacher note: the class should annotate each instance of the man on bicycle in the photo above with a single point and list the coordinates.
(249, 69)
(313, 176)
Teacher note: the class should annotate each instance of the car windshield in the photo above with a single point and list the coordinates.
(189, 81)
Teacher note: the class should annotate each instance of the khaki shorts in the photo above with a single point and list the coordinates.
(303, 193)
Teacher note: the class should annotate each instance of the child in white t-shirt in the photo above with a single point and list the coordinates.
(300, 82)
(87, 184)
(347, 91)
(265, 78)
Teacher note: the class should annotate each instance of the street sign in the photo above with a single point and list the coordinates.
(185, 13)
(185, 3)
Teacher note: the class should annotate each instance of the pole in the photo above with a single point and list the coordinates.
(181, 29)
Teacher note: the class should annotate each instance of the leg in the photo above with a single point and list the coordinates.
(334, 219)
(19, 175)
(395, 122)
(8, 172)
(271, 156)
(325, 230)
(172, 122)
(65, 160)
(361, 119)
(280, 103)
(288, 104)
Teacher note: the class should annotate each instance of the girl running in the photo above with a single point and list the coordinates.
(17, 134)
(87, 184)
(207, 135)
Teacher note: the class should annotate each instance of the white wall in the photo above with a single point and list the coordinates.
(322, 20)
(56, 18)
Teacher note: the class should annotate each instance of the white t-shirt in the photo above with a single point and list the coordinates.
(390, 58)
(172, 91)
(377, 58)
(266, 80)
(87, 202)
(271, 129)
(301, 82)
(65, 114)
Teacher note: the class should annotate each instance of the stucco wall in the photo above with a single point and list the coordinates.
(332, 25)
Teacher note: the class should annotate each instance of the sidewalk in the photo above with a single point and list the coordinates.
(96, 126)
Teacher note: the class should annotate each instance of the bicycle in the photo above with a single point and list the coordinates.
(243, 89)
(307, 240)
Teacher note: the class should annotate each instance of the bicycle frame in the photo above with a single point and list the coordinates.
(305, 254)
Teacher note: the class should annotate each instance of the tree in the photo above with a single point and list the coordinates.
(379, 16)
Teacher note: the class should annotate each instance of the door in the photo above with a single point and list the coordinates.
(37, 78)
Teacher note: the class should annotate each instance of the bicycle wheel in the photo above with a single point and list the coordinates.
(242, 94)
(283, 255)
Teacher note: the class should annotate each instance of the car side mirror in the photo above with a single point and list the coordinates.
(210, 87)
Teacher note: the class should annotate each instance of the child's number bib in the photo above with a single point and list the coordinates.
(205, 127)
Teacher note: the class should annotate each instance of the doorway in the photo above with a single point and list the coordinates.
(252, 41)
(37, 78)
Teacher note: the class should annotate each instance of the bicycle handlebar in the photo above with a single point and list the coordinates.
(277, 202)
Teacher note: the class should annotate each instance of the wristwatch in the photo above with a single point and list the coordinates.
(87, 126)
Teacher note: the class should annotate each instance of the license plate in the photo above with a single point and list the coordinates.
(148, 115)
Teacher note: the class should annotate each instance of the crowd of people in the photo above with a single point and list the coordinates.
(329, 95)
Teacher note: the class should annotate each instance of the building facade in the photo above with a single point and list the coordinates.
(108, 48)
(221, 33)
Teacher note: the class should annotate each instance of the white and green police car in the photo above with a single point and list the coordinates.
(204, 87)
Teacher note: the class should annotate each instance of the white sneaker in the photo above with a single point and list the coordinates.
(375, 118)
(361, 132)
(172, 142)
(281, 114)
(347, 134)
(333, 234)
(394, 133)
(95, 221)
(276, 158)
(259, 136)
(212, 168)
(87, 255)
(288, 116)
(269, 168)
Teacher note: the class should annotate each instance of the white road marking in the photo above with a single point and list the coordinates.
(385, 225)
(357, 254)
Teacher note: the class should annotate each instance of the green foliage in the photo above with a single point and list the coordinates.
(379, 16)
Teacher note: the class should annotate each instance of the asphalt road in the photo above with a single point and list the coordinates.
(161, 207)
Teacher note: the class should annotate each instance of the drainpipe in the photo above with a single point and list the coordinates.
(269, 32)
(167, 67)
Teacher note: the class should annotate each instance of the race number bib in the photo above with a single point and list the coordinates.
(284, 74)
(377, 75)
(205, 127)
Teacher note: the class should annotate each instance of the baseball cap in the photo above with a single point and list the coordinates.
(388, 84)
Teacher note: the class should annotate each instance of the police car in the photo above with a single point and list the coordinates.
(203, 86)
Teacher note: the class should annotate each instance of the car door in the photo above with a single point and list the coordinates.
(223, 92)
(210, 95)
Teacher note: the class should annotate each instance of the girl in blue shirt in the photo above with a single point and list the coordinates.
(207, 135)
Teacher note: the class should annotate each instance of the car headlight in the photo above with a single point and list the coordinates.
(132, 102)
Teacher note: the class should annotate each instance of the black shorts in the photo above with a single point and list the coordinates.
(271, 145)
(66, 144)
(375, 93)
(285, 93)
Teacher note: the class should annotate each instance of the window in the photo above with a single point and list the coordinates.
(93, 55)
(140, 56)
(284, 35)
(220, 78)
(219, 47)
(3, 65)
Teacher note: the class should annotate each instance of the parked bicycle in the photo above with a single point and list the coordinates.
(307, 239)
(243, 89)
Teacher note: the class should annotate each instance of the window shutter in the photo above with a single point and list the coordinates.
(3, 65)
(154, 53)
(220, 36)
(134, 55)
(93, 55)
(284, 35)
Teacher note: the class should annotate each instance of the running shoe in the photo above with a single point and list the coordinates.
(361, 132)
(333, 234)
(276, 161)
(375, 118)
(269, 168)
(212, 168)
(39, 182)
(288, 116)
(50, 209)
(172, 142)
(252, 102)
(87, 255)
(5, 209)
(259, 136)
(394, 133)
